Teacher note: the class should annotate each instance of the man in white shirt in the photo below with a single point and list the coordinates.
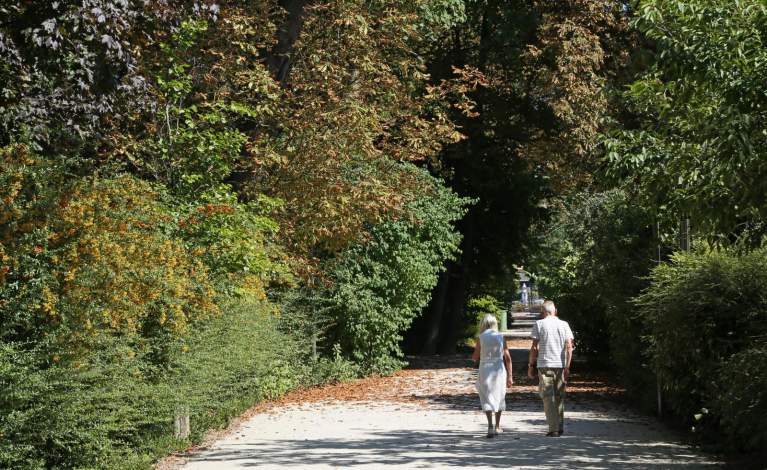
(552, 352)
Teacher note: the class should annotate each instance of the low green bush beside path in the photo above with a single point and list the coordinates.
(706, 314)
(116, 413)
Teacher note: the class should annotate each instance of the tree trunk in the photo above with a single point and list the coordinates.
(435, 313)
(279, 60)
(458, 289)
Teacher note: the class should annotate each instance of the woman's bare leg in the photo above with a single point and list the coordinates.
(489, 415)
(498, 422)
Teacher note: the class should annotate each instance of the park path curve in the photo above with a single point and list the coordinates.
(427, 417)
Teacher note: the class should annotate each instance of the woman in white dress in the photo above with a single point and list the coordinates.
(494, 372)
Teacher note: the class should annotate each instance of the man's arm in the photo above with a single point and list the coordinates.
(568, 357)
(532, 358)
(568, 351)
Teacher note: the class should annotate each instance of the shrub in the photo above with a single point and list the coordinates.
(740, 398)
(57, 417)
(706, 316)
(476, 309)
(593, 258)
(382, 284)
(90, 260)
(109, 414)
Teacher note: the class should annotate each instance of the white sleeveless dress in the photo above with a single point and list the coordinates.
(491, 380)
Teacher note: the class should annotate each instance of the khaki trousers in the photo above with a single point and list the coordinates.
(551, 387)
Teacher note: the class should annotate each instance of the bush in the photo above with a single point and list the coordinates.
(57, 417)
(740, 398)
(707, 316)
(593, 258)
(33, 401)
(87, 261)
(476, 309)
(112, 415)
(382, 284)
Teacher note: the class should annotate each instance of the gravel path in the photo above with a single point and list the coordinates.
(428, 418)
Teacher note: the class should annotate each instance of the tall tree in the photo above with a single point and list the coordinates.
(546, 68)
(693, 142)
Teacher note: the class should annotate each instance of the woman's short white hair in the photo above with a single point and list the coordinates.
(488, 322)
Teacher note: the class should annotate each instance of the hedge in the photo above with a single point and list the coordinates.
(706, 313)
(117, 414)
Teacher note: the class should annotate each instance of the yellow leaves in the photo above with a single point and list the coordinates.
(11, 191)
(48, 304)
(179, 290)
(355, 100)
(118, 273)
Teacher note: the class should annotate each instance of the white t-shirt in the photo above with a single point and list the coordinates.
(552, 334)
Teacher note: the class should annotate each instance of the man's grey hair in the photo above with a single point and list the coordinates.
(549, 308)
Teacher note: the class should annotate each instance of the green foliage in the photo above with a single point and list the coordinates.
(335, 369)
(439, 17)
(591, 260)
(707, 327)
(193, 147)
(739, 397)
(111, 415)
(91, 259)
(695, 141)
(38, 423)
(476, 309)
(236, 240)
(380, 285)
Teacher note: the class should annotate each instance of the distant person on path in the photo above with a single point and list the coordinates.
(494, 372)
(552, 352)
(525, 294)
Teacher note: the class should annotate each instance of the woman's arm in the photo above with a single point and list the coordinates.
(476, 353)
(509, 367)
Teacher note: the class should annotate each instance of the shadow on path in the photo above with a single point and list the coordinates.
(429, 417)
(448, 448)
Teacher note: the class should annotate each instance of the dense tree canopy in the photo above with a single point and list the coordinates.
(683, 140)
(547, 69)
(694, 142)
